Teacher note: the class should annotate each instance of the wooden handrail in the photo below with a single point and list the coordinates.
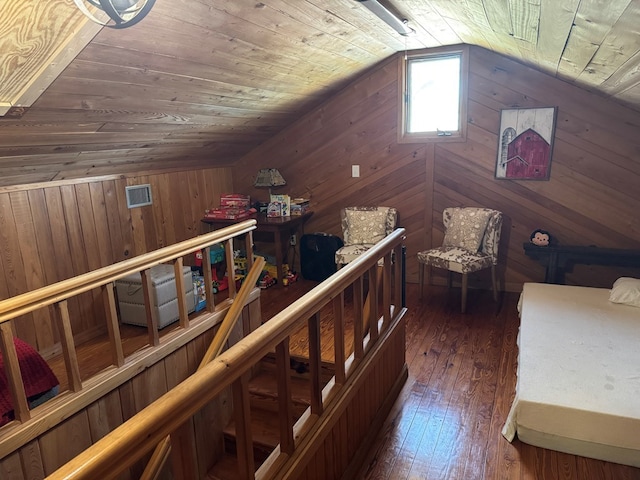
(234, 313)
(161, 451)
(57, 295)
(50, 294)
(122, 447)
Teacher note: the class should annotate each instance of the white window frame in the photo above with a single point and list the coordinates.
(437, 136)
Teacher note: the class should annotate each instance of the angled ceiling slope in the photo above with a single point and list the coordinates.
(37, 41)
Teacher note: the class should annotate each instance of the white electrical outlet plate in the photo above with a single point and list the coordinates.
(355, 171)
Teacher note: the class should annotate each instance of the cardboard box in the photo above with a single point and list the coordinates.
(285, 205)
(235, 200)
(229, 213)
(199, 292)
(299, 206)
(274, 209)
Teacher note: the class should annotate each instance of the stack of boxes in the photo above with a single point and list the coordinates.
(233, 206)
(299, 206)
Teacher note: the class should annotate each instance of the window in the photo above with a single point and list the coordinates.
(433, 95)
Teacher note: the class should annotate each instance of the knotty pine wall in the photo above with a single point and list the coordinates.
(65, 440)
(592, 197)
(51, 232)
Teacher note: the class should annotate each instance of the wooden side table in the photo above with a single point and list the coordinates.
(281, 229)
(559, 259)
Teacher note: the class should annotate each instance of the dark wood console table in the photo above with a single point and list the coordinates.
(281, 229)
(559, 259)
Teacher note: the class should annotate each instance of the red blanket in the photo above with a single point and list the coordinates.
(36, 375)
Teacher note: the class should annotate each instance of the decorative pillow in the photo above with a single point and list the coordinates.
(366, 226)
(466, 228)
(626, 290)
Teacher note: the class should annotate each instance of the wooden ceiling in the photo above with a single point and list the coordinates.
(202, 82)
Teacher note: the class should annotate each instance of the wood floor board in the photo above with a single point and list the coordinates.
(446, 423)
(447, 420)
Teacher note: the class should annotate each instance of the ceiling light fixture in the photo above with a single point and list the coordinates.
(123, 13)
(383, 13)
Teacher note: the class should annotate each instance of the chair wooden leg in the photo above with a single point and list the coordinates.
(494, 282)
(421, 278)
(465, 283)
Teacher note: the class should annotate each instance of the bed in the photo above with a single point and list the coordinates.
(578, 379)
(40, 383)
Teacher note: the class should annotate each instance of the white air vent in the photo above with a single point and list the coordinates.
(138, 195)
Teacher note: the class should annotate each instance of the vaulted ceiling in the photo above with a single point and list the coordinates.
(203, 82)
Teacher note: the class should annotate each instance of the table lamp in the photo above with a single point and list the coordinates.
(269, 177)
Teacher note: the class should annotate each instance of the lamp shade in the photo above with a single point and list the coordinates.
(269, 177)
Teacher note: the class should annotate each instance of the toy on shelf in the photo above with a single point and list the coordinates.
(216, 256)
(240, 265)
(289, 276)
(266, 280)
(541, 238)
(219, 285)
(199, 291)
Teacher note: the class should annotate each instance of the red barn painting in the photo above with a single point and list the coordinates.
(526, 135)
(528, 156)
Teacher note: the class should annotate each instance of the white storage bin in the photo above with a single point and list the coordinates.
(163, 296)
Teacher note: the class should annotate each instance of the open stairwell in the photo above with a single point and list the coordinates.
(348, 400)
(263, 400)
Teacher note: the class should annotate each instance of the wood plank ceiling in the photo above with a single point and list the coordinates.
(200, 83)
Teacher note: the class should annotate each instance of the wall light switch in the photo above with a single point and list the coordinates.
(355, 171)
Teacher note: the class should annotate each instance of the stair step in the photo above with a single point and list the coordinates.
(263, 391)
(299, 368)
(263, 400)
(224, 469)
(264, 430)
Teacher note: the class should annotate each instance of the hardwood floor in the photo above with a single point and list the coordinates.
(462, 372)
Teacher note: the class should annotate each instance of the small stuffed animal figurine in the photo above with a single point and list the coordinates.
(541, 238)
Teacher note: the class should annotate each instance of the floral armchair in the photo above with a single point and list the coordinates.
(472, 237)
(362, 228)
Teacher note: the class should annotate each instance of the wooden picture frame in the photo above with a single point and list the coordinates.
(525, 143)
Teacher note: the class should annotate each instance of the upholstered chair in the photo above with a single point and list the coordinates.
(471, 241)
(362, 228)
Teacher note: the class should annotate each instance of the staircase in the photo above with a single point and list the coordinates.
(263, 393)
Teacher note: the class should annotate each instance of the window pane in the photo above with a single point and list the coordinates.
(434, 90)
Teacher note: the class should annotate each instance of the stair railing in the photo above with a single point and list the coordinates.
(57, 295)
(162, 450)
(135, 438)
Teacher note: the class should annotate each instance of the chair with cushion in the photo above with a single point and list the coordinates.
(471, 240)
(362, 228)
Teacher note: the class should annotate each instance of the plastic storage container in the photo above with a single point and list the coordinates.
(163, 296)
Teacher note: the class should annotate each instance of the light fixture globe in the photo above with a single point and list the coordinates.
(123, 13)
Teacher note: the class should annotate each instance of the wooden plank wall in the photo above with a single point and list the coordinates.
(591, 199)
(348, 437)
(50, 451)
(51, 232)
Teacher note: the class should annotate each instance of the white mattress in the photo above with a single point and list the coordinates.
(578, 386)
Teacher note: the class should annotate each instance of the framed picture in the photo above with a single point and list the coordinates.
(525, 143)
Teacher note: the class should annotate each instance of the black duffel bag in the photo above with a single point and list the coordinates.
(317, 255)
